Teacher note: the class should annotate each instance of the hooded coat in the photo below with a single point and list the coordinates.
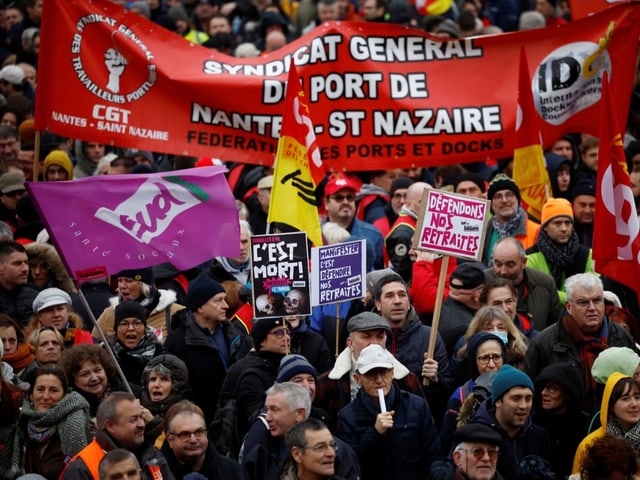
(180, 390)
(567, 429)
(590, 439)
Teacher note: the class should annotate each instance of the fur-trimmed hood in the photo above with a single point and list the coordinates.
(58, 275)
(344, 363)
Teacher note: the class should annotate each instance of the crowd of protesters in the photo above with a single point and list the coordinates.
(535, 373)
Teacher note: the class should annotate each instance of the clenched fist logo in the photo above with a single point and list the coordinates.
(116, 64)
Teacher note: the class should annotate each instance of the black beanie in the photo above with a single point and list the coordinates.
(128, 309)
(144, 275)
(263, 326)
(502, 182)
(200, 290)
(398, 183)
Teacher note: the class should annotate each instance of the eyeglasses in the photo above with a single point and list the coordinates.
(127, 325)
(281, 333)
(485, 359)
(349, 197)
(552, 388)
(585, 302)
(479, 452)
(322, 447)
(186, 436)
(508, 195)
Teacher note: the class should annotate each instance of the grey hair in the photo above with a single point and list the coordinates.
(514, 241)
(334, 233)
(244, 225)
(589, 281)
(296, 396)
(108, 408)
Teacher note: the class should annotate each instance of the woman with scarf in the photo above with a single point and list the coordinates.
(619, 415)
(18, 353)
(486, 352)
(165, 381)
(93, 374)
(53, 427)
(134, 344)
(495, 321)
(159, 305)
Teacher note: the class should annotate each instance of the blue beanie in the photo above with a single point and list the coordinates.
(507, 378)
(200, 290)
(292, 365)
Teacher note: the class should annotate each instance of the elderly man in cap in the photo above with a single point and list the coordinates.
(339, 387)
(558, 251)
(52, 307)
(508, 412)
(509, 218)
(206, 341)
(475, 455)
(12, 189)
(340, 202)
(462, 303)
(391, 430)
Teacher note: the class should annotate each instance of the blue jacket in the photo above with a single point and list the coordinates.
(375, 242)
(406, 451)
(530, 440)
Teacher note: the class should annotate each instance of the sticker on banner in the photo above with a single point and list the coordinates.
(569, 79)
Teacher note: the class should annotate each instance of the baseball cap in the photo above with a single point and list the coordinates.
(11, 182)
(12, 74)
(337, 183)
(373, 356)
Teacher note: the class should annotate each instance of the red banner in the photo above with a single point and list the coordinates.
(377, 97)
(584, 8)
(616, 230)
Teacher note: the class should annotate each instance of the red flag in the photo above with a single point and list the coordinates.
(298, 169)
(616, 243)
(529, 169)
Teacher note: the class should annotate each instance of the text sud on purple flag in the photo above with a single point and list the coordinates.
(116, 222)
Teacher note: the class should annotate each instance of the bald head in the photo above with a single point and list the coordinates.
(414, 195)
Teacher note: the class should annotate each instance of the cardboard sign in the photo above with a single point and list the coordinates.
(280, 275)
(452, 224)
(338, 273)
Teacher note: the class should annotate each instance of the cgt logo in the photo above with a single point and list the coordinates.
(111, 61)
(569, 79)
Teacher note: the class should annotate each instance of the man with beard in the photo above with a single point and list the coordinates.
(509, 218)
(557, 250)
(188, 449)
(120, 425)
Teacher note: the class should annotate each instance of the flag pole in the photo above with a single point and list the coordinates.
(36, 156)
(105, 342)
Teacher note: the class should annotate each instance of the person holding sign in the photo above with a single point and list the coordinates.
(409, 339)
(400, 442)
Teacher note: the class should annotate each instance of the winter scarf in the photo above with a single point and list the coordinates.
(632, 435)
(143, 351)
(22, 358)
(590, 347)
(558, 256)
(69, 418)
(509, 228)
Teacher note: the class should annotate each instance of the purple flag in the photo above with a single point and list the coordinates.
(110, 223)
